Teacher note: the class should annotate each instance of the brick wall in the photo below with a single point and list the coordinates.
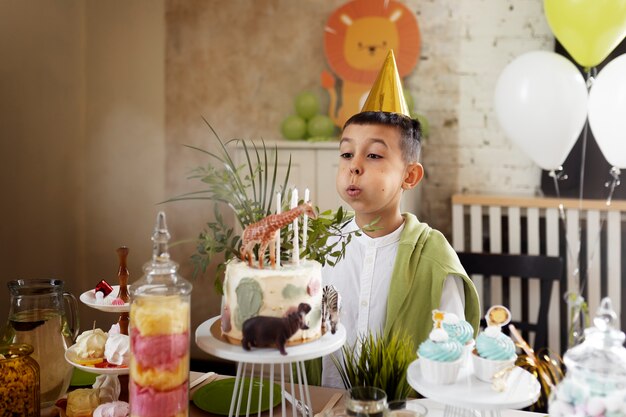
(466, 44)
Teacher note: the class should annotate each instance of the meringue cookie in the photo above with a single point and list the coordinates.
(113, 409)
(90, 344)
(117, 349)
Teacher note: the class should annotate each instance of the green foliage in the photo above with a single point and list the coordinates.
(379, 362)
(248, 191)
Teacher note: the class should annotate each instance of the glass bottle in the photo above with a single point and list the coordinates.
(595, 383)
(160, 334)
(19, 381)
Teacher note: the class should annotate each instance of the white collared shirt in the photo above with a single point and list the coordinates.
(362, 279)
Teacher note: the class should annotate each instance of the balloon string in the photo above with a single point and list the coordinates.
(615, 181)
(591, 73)
(558, 175)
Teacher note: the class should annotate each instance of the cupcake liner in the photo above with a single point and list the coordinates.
(442, 373)
(484, 369)
(466, 356)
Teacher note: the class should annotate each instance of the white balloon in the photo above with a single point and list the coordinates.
(541, 103)
(607, 111)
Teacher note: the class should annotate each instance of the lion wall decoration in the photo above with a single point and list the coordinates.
(357, 37)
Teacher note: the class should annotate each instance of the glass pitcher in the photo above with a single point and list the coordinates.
(37, 317)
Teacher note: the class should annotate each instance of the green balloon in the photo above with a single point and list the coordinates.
(293, 127)
(321, 125)
(307, 105)
(320, 138)
(423, 124)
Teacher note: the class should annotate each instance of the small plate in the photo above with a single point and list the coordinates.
(70, 356)
(89, 298)
(215, 397)
(82, 379)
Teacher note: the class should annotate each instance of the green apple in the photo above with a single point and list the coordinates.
(293, 127)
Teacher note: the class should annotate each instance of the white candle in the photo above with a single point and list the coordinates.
(305, 221)
(295, 254)
(278, 211)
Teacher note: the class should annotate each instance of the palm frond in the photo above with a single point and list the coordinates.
(248, 191)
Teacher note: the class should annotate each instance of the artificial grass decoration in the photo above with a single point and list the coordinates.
(378, 362)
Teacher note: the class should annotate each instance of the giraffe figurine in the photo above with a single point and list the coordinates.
(264, 233)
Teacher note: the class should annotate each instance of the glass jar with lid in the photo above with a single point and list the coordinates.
(19, 381)
(160, 333)
(595, 383)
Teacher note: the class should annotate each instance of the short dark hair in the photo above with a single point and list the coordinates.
(410, 130)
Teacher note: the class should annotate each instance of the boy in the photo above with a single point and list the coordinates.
(393, 277)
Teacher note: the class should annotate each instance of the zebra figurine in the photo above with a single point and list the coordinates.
(331, 305)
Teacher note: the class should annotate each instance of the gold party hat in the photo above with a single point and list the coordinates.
(386, 93)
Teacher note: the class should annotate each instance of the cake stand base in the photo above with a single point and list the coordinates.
(300, 397)
(208, 338)
(454, 411)
(470, 397)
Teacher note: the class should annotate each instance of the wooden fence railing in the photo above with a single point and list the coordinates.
(498, 224)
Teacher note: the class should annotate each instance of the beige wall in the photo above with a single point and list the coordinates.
(81, 139)
(94, 94)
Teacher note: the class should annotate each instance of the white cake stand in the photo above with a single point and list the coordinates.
(469, 396)
(88, 298)
(208, 341)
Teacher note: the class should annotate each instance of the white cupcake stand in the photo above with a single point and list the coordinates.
(470, 397)
(253, 362)
(88, 298)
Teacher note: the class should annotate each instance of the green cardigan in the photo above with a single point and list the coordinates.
(423, 262)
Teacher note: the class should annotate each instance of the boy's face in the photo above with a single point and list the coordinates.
(372, 172)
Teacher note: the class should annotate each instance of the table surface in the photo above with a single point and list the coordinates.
(319, 398)
(321, 395)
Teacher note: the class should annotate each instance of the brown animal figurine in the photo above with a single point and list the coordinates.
(264, 232)
(264, 331)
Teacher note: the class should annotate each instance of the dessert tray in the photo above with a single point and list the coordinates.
(468, 392)
(70, 356)
(89, 298)
(209, 339)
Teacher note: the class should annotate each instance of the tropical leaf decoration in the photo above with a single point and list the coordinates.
(248, 191)
(380, 362)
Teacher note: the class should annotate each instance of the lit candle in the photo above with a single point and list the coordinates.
(305, 221)
(278, 211)
(295, 254)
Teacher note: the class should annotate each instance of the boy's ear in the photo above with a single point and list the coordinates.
(412, 177)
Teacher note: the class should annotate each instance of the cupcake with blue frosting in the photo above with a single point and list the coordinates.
(440, 356)
(461, 331)
(494, 351)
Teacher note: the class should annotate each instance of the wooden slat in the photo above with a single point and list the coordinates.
(458, 227)
(552, 249)
(614, 260)
(495, 246)
(572, 238)
(537, 202)
(476, 240)
(515, 247)
(593, 260)
(534, 288)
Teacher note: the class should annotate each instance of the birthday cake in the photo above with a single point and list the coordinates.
(251, 292)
